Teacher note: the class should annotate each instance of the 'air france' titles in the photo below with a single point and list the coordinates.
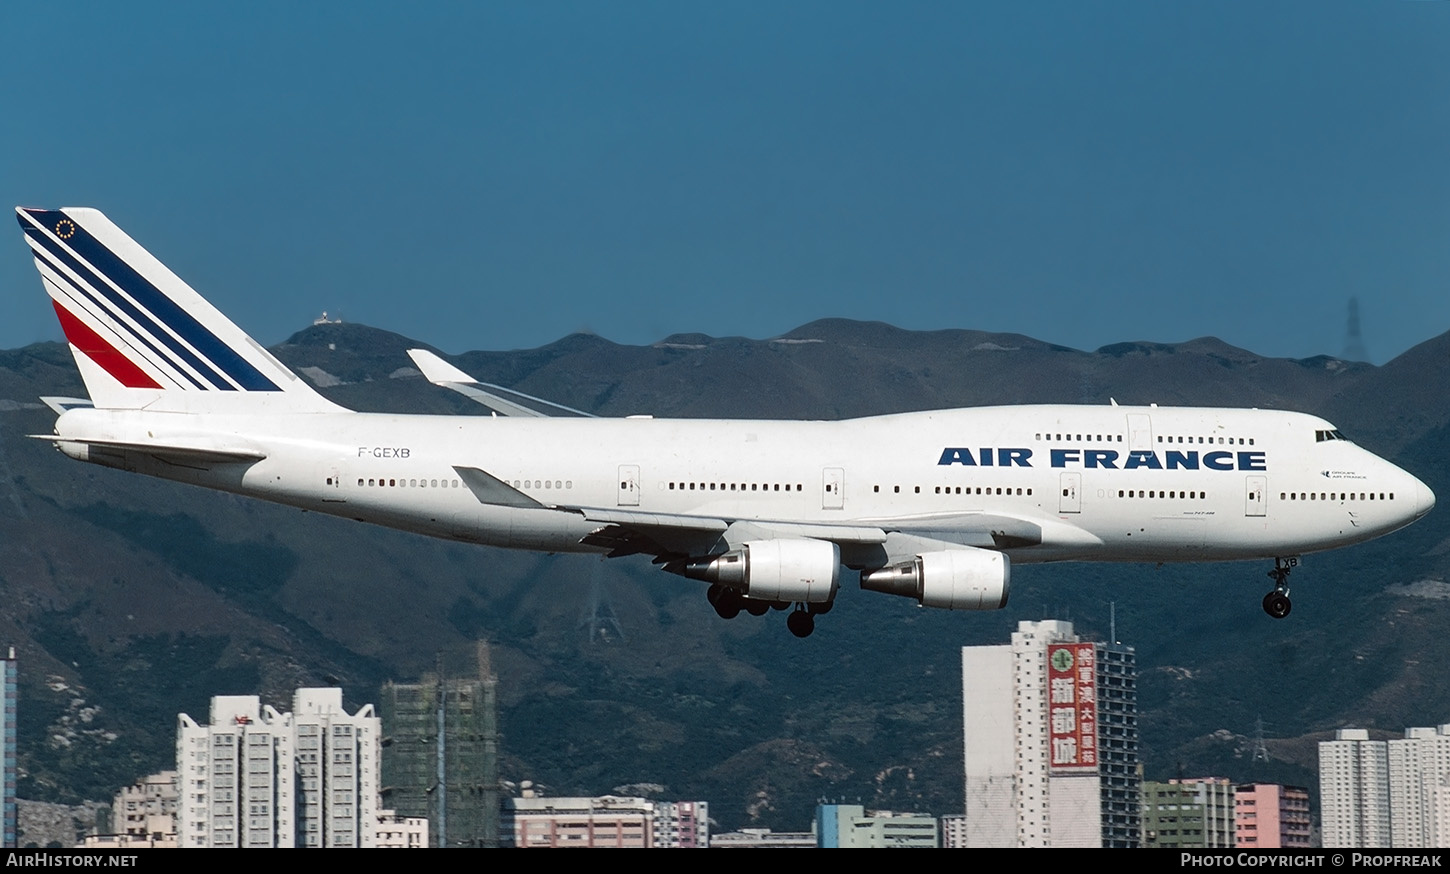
(1108, 459)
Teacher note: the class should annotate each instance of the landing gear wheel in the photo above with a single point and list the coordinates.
(727, 603)
(821, 608)
(756, 607)
(1277, 605)
(800, 623)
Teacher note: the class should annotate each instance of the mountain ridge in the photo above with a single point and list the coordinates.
(140, 599)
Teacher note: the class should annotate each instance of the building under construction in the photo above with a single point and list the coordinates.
(440, 754)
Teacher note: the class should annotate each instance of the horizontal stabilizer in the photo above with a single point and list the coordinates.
(182, 453)
(61, 405)
(504, 401)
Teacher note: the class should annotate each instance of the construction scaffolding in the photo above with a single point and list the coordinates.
(440, 754)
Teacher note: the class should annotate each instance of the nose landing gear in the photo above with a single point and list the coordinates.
(1277, 603)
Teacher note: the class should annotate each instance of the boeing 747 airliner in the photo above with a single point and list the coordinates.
(934, 506)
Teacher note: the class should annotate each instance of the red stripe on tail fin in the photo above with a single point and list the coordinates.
(123, 369)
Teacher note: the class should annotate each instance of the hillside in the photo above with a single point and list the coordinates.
(131, 600)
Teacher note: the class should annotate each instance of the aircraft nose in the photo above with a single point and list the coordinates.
(1424, 498)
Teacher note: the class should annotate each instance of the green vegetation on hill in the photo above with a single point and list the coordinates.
(131, 600)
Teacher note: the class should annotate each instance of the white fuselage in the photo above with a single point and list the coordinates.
(1097, 483)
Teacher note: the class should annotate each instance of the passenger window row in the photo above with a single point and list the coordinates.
(1081, 438)
(963, 490)
(736, 487)
(1329, 496)
(1211, 441)
(407, 483)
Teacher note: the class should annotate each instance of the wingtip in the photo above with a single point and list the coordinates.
(436, 370)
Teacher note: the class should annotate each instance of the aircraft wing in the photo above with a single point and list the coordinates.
(980, 530)
(670, 536)
(503, 401)
(870, 542)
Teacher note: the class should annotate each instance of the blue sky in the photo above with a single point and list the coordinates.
(494, 176)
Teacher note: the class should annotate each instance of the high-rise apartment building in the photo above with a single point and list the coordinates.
(1419, 768)
(255, 777)
(337, 770)
(9, 678)
(1387, 793)
(1354, 795)
(1051, 737)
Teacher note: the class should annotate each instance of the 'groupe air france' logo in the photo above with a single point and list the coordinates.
(65, 229)
(1062, 661)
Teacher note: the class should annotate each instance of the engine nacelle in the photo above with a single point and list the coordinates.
(955, 579)
(773, 570)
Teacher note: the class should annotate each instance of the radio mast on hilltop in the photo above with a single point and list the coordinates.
(1353, 344)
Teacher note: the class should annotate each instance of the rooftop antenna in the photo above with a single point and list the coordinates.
(1354, 344)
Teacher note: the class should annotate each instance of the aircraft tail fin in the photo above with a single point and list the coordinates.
(142, 337)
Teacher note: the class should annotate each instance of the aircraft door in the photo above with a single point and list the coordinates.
(1140, 431)
(332, 486)
(1071, 500)
(629, 485)
(1256, 499)
(833, 485)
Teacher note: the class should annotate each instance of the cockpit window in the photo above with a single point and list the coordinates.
(1321, 436)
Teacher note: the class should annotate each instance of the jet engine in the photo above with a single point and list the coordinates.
(956, 579)
(787, 570)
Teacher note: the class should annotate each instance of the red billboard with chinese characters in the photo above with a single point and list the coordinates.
(1072, 708)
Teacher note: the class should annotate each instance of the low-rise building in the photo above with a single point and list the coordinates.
(147, 809)
(401, 832)
(851, 826)
(764, 839)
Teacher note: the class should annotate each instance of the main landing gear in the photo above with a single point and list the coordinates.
(801, 622)
(1276, 603)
